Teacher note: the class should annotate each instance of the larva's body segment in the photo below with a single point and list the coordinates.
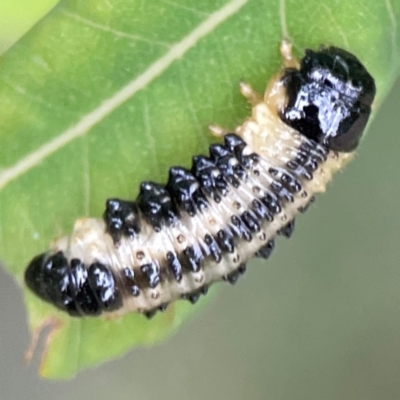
(176, 240)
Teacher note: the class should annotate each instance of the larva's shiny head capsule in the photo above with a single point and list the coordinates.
(329, 98)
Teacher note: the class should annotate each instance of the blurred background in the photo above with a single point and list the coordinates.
(319, 320)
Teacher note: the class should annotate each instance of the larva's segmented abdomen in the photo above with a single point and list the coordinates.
(206, 222)
(174, 241)
(204, 225)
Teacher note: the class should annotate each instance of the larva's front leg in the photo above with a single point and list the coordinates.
(288, 59)
(217, 130)
(251, 95)
(253, 98)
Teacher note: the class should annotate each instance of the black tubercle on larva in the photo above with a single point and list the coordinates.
(210, 177)
(286, 183)
(213, 249)
(240, 229)
(184, 188)
(156, 205)
(299, 170)
(329, 98)
(225, 161)
(225, 240)
(73, 287)
(272, 202)
(101, 281)
(282, 192)
(85, 302)
(194, 258)
(234, 275)
(151, 313)
(261, 211)
(236, 145)
(290, 182)
(131, 282)
(251, 221)
(121, 218)
(174, 266)
(151, 274)
(266, 250)
(287, 230)
(194, 296)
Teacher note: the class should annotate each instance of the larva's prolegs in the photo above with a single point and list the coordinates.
(252, 97)
(288, 59)
(250, 94)
(217, 130)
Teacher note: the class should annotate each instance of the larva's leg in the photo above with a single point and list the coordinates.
(289, 60)
(251, 95)
(218, 131)
(275, 94)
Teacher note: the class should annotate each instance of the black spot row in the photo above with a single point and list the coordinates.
(194, 296)
(185, 190)
(121, 219)
(308, 158)
(214, 249)
(156, 205)
(150, 275)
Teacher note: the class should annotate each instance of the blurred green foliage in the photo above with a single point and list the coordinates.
(18, 16)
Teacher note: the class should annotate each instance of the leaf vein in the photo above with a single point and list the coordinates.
(115, 32)
(94, 117)
(337, 25)
(190, 9)
(283, 19)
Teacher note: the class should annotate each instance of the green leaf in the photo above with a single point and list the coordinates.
(100, 96)
(18, 16)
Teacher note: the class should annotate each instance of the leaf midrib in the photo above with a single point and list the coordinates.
(107, 106)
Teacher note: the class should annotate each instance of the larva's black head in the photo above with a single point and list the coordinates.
(329, 98)
(72, 287)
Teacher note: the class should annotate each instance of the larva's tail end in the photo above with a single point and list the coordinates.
(47, 277)
(34, 276)
(72, 286)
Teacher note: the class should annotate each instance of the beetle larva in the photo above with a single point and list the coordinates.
(173, 241)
